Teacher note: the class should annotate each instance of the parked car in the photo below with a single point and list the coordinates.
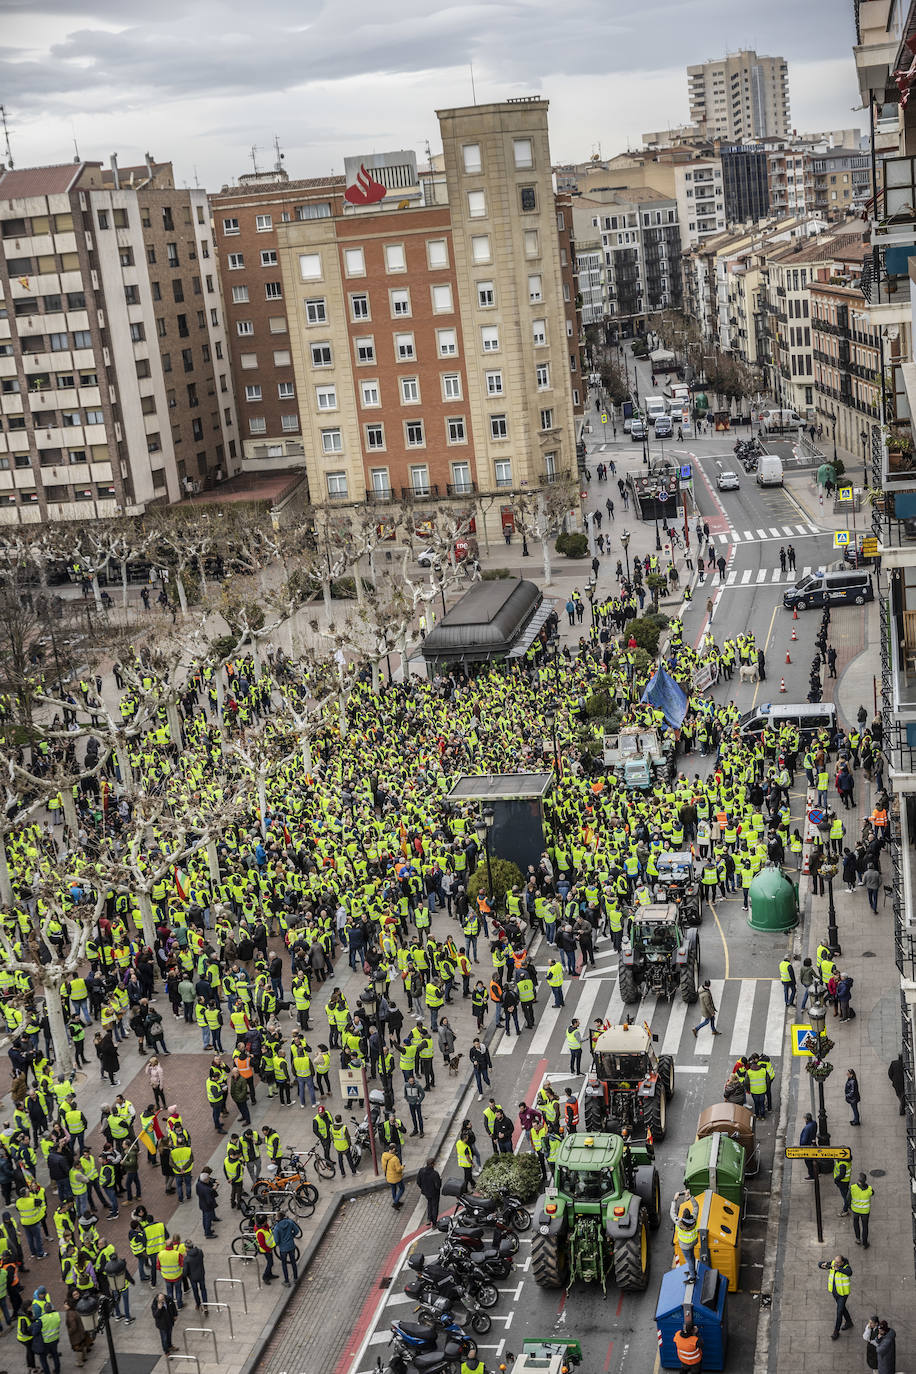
(637, 430)
(427, 558)
(663, 429)
(728, 481)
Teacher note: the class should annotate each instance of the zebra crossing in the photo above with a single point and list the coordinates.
(751, 1013)
(765, 533)
(773, 577)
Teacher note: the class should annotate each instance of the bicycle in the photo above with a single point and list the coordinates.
(321, 1166)
(289, 1182)
(248, 1245)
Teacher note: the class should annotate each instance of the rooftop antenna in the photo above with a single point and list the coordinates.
(196, 182)
(278, 165)
(473, 87)
(253, 154)
(429, 155)
(6, 137)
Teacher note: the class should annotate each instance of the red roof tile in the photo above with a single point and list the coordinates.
(39, 181)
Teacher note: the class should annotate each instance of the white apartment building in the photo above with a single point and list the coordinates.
(740, 96)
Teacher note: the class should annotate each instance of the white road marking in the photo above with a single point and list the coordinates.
(774, 532)
(730, 580)
(741, 1025)
(747, 535)
(803, 529)
(775, 1033)
(541, 1037)
(761, 534)
(675, 1027)
(761, 576)
(587, 999)
(745, 577)
(716, 987)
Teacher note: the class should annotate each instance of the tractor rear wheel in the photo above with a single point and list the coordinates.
(655, 1112)
(594, 1114)
(666, 1073)
(689, 979)
(549, 1262)
(627, 985)
(653, 1202)
(631, 1258)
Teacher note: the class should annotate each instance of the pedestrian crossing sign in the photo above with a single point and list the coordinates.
(845, 493)
(799, 1035)
(604, 419)
(840, 539)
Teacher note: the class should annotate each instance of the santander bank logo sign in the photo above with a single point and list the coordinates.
(364, 189)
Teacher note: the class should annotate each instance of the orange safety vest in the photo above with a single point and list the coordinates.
(879, 817)
(519, 957)
(496, 991)
(688, 1348)
(571, 1112)
(244, 1067)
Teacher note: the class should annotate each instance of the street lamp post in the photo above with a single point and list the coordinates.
(821, 1069)
(483, 828)
(833, 423)
(864, 437)
(625, 541)
(829, 872)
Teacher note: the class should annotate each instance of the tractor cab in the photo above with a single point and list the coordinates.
(679, 882)
(630, 1085)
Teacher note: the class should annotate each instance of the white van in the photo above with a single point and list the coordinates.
(803, 715)
(655, 405)
(769, 470)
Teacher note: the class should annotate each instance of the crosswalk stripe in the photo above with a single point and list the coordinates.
(614, 1011)
(675, 1027)
(774, 532)
(761, 576)
(716, 987)
(748, 534)
(647, 1009)
(741, 1024)
(813, 529)
(541, 1037)
(775, 1034)
(777, 575)
(587, 998)
(723, 538)
(802, 529)
(787, 529)
(745, 577)
(730, 579)
(761, 534)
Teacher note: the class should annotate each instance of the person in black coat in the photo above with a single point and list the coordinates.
(430, 1184)
(896, 1075)
(165, 1314)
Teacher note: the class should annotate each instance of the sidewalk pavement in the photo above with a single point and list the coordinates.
(882, 1277)
(185, 1071)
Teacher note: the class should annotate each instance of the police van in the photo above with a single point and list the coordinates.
(839, 585)
(804, 715)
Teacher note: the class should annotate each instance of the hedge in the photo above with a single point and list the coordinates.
(520, 1173)
(506, 875)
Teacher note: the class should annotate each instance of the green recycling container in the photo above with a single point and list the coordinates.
(774, 901)
(716, 1164)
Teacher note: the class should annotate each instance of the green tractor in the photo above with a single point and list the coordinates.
(597, 1214)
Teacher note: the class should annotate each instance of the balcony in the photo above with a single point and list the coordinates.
(461, 489)
(420, 493)
(379, 496)
(550, 479)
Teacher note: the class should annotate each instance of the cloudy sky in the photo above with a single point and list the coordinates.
(201, 81)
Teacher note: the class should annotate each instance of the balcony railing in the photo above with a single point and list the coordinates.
(461, 488)
(549, 479)
(377, 496)
(420, 493)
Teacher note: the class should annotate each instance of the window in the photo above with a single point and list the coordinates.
(447, 343)
(321, 355)
(413, 434)
(451, 386)
(59, 342)
(236, 262)
(499, 427)
(494, 383)
(177, 291)
(404, 349)
(528, 201)
(257, 424)
(239, 295)
(400, 302)
(410, 390)
(286, 391)
(263, 223)
(243, 327)
(442, 300)
(489, 338)
(77, 455)
(230, 226)
(132, 294)
(381, 483)
(419, 480)
(253, 392)
(539, 331)
(354, 262)
(437, 253)
(171, 250)
(480, 247)
(550, 464)
(521, 152)
(273, 290)
(547, 419)
(103, 217)
(316, 209)
(395, 259)
(375, 436)
(365, 349)
(316, 311)
(337, 486)
(532, 244)
(457, 434)
(137, 333)
(281, 357)
(310, 266)
(248, 361)
(369, 393)
(82, 338)
(534, 289)
(327, 397)
(359, 306)
(471, 155)
(94, 417)
(542, 376)
(268, 257)
(477, 205)
(276, 324)
(331, 441)
(289, 424)
(187, 358)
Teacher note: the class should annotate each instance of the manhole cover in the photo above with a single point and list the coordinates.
(868, 954)
(879, 1173)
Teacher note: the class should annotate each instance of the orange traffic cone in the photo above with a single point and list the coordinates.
(794, 612)
(788, 659)
(794, 635)
(782, 684)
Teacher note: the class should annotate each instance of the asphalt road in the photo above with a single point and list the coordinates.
(617, 1330)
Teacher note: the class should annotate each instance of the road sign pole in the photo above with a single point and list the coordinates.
(817, 1206)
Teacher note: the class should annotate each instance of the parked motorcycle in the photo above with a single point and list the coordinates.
(474, 1237)
(437, 1311)
(476, 1210)
(494, 1262)
(456, 1283)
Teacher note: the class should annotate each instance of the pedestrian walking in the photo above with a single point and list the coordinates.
(838, 1286)
(708, 1008)
(851, 1093)
(393, 1170)
(429, 1182)
(481, 1063)
(414, 1096)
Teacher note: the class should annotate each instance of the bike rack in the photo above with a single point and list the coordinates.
(241, 1284)
(247, 1259)
(192, 1358)
(201, 1331)
(222, 1306)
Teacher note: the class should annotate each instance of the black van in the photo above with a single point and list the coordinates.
(852, 587)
